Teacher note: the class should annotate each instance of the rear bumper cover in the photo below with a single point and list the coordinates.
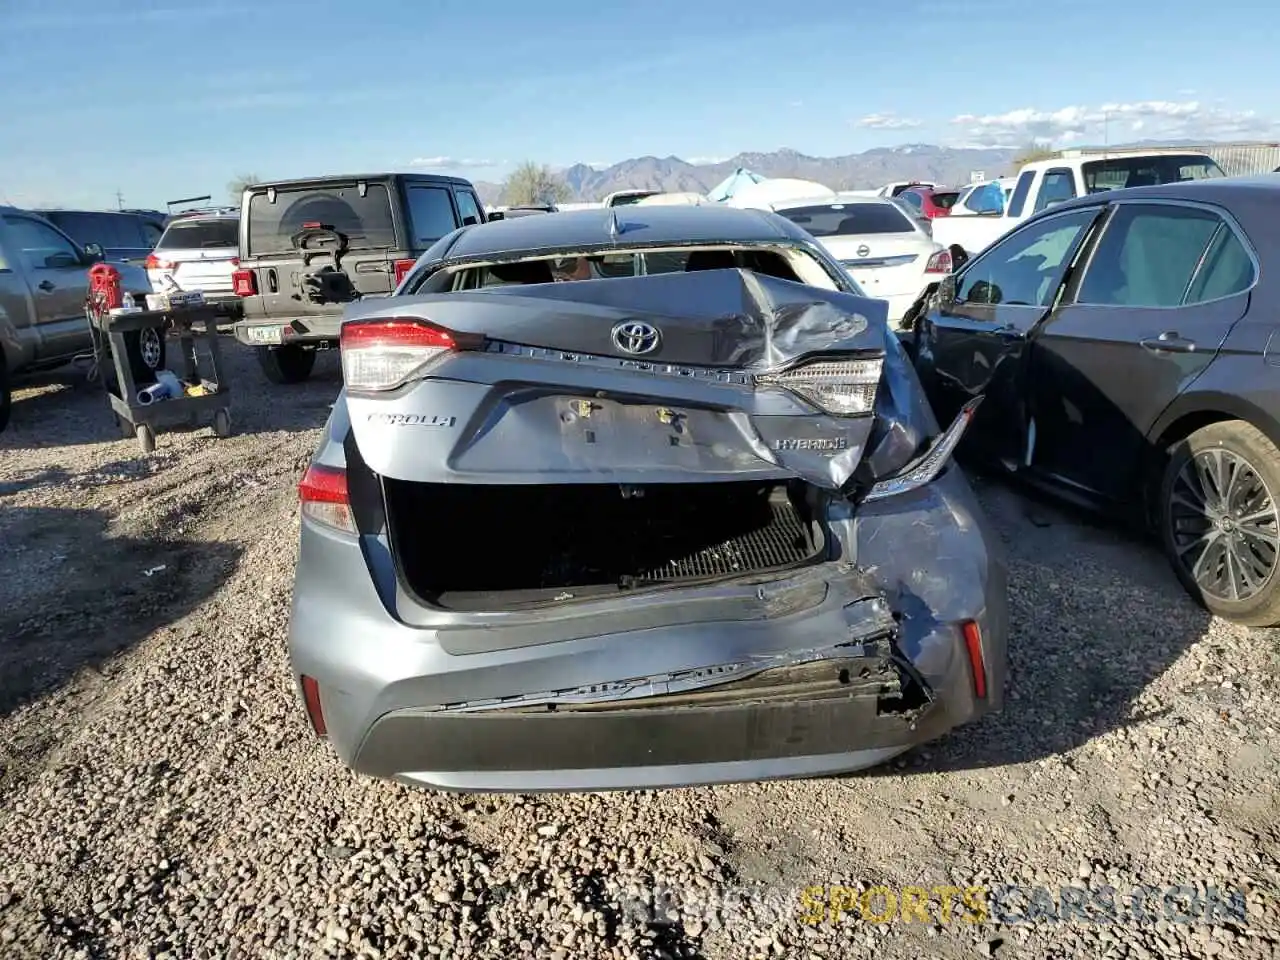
(415, 703)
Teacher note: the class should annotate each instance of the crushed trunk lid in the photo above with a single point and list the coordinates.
(559, 383)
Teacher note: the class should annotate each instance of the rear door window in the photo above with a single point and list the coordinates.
(201, 234)
(849, 219)
(1147, 256)
(365, 220)
(430, 214)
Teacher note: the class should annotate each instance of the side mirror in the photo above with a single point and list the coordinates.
(469, 221)
(958, 256)
(93, 251)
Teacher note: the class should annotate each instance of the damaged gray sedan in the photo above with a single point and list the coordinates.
(631, 499)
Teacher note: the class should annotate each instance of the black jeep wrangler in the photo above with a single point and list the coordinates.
(307, 247)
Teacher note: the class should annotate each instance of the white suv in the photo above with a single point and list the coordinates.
(199, 251)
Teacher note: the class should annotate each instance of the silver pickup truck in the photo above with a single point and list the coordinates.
(44, 281)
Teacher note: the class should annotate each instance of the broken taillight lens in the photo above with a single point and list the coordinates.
(323, 495)
(845, 388)
(383, 354)
(926, 467)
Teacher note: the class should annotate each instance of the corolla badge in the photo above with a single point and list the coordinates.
(636, 337)
(864, 251)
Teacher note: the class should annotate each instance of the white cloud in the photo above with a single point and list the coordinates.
(453, 163)
(1157, 119)
(705, 161)
(886, 121)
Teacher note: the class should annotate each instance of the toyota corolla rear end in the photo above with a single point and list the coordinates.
(641, 532)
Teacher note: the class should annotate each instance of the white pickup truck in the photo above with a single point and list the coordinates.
(1046, 182)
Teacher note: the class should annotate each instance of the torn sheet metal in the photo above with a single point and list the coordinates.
(553, 396)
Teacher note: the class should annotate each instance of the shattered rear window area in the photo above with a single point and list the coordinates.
(785, 263)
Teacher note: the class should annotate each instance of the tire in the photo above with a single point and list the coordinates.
(222, 423)
(1199, 542)
(291, 364)
(6, 395)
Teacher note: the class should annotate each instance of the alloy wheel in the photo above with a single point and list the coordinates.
(1224, 524)
(149, 348)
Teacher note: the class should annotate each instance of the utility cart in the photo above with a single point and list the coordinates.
(193, 390)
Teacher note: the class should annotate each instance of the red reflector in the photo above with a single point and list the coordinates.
(395, 332)
(312, 225)
(311, 697)
(973, 644)
(244, 283)
(402, 268)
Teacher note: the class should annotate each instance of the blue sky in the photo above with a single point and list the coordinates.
(185, 94)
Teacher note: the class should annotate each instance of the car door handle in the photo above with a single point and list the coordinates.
(45, 285)
(1169, 342)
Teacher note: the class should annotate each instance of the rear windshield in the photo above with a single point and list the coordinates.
(849, 219)
(1118, 172)
(364, 221)
(200, 234)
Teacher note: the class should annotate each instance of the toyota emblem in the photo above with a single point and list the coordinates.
(864, 251)
(636, 337)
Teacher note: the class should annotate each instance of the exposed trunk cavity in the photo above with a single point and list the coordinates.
(488, 547)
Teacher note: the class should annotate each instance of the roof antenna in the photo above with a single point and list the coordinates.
(615, 228)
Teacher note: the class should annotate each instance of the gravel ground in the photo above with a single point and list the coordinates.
(162, 797)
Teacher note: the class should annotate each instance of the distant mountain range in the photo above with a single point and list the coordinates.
(856, 171)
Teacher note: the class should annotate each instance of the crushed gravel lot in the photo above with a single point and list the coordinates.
(162, 796)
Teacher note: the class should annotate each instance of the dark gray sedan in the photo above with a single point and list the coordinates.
(636, 498)
(1126, 344)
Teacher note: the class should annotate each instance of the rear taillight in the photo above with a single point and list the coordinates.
(940, 262)
(846, 388)
(323, 495)
(384, 354)
(402, 268)
(155, 263)
(244, 283)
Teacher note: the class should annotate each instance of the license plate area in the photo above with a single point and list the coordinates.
(269, 334)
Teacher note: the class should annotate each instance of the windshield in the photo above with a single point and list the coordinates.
(1115, 173)
(365, 221)
(849, 219)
